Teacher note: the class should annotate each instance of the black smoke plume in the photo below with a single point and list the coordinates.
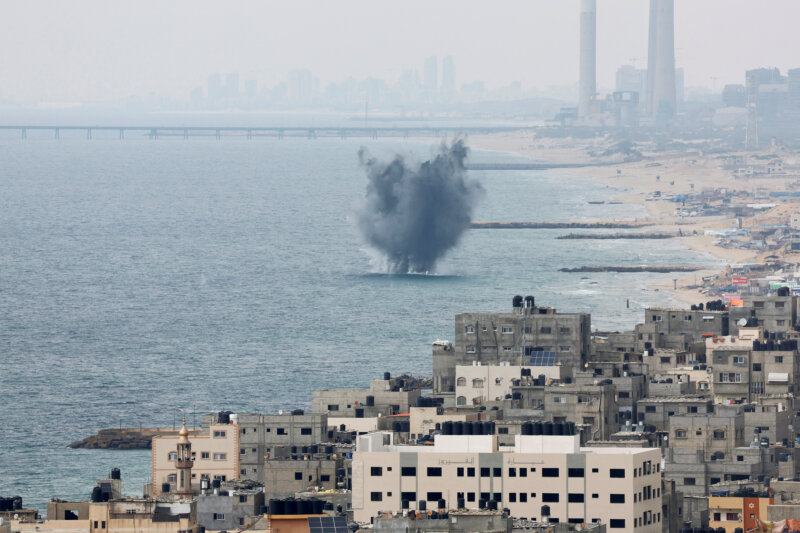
(414, 213)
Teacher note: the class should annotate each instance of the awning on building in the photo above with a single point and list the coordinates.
(778, 377)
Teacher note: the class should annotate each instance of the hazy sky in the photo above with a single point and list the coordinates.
(101, 50)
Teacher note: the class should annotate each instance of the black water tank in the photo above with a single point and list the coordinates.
(442, 504)
(481, 504)
(492, 430)
(313, 448)
(115, 473)
(468, 428)
(405, 427)
(290, 506)
(547, 428)
(422, 505)
(558, 428)
(97, 494)
(216, 483)
(298, 412)
(275, 506)
(370, 401)
(571, 426)
(517, 301)
(387, 376)
(396, 427)
(458, 428)
(447, 428)
(719, 530)
(538, 428)
(492, 505)
(530, 301)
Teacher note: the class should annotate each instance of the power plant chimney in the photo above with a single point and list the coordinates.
(587, 80)
(661, 97)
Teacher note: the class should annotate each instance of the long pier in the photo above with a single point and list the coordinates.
(250, 132)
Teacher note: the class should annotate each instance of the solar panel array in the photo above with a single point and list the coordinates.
(543, 358)
(327, 524)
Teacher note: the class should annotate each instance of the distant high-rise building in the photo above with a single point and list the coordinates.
(301, 86)
(430, 78)
(661, 98)
(232, 85)
(587, 84)
(448, 79)
(679, 84)
(214, 87)
(631, 79)
(250, 89)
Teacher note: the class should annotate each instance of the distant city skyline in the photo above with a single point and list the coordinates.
(97, 52)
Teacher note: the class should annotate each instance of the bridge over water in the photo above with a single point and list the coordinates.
(250, 132)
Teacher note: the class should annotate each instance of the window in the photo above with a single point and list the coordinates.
(506, 349)
(624, 394)
(656, 318)
(549, 472)
(559, 399)
(376, 471)
(461, 400)
(575, 497)
(758, 305)
(563, 348)
(575, 472)
(219, 434)
(242, 451)
(502, 431)
(680, 433)
(523, 472)
(376, 496)
(325, 477)
(617, 498)
(512, 472)
(408, 471)
(281, 431)
(507, 330)
(219, 516)
(470, 496)
(477, 383)
(460, 471)
(732, 517)
(687, 317)
(408, 496)
(471, 348)
(650, 409)
(172, 478)
(739, 360)
(779, 305)
(204, 455)
(512, 497)
(470, 472)
(688, 481)
(780, 322)
(434, 471)
(220, 456)
(756, 367)
(461, 382)
(544, 330)
(173, 456)
(523, 497)
(243, 498)
(616, 473)
(469, 329)
(719, 434)
(563, 331)
(298, 476)
(434, 496)
(779, 359)
(550, 497)
(305, 431)
(497, 472)
(617, 523)
(730, 377)
(486, 472)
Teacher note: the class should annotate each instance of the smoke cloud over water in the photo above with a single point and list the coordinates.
(414, 213)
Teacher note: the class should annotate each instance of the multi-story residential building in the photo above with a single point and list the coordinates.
(283, 477)
(629, 380)
(478, 384)
(118, 516)
(231, 507)
(592, 405)
(527, 335)
(738, 511)
(657, 412)
(214, 452)
(539, 477)
(388, 396)
(679, 329)
(774, 312)
(259, 434)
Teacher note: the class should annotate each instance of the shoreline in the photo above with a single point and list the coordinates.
(669, 173)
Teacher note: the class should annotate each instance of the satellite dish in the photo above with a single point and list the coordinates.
(741, 322)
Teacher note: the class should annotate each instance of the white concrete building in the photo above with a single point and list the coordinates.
(477, 384)
(620, 487)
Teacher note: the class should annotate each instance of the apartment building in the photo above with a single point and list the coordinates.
(592, 405)
(738, 511)
(541, 476)
(478, 384)
(215, 452)
(528, 333)
(774, 312)
(657, 411)
(388, 396)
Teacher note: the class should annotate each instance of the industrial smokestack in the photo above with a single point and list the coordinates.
(661, 59)
(588, 59)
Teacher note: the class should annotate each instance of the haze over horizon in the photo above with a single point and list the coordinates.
(98, 52)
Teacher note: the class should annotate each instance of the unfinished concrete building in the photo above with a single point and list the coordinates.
(388, 396)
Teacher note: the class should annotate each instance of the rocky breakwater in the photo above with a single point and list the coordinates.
(639, 268)
(122, 438)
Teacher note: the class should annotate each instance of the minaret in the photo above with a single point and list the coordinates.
(184, 462)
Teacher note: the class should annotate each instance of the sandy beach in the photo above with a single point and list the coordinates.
(667, 174)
